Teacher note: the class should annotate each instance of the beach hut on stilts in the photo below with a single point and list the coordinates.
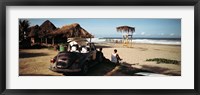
(127, 35)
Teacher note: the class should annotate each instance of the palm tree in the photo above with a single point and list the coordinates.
(23, 28)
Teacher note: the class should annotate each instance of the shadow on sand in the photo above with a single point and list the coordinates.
(27, 55)
(102, 68)
(165, 71)
(99, 69)
(107, 68)
(127, 69)
(36, 75)
(103, 46)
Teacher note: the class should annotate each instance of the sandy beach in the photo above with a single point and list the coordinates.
(138, 54)
(36, 61)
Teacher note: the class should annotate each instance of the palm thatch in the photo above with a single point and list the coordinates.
(46, 28)
(33, 31)
(72, 30)
(125, 29)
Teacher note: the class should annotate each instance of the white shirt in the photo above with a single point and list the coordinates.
(74, 49)
(114, 57)
(84, 50)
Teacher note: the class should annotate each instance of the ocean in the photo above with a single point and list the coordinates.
(166, 41)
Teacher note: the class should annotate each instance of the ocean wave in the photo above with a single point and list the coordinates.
(149, 41)
(146, 41)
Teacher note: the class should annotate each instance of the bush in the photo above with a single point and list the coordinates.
(163, 60)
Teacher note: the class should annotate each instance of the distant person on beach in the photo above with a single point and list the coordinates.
(115, 57)
(101, 58)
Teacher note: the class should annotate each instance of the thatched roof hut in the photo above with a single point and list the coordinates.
(72, 30)
(125, 29)
(46, 28)
(48, 33)
(33, 31)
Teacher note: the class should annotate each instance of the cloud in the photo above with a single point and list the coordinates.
(172, 34)
(148, 34)
(142, 33)
(134, 33)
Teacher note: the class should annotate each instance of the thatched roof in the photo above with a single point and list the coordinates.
(33, 31)
(46, 28)
(125, 29)
(72, 30)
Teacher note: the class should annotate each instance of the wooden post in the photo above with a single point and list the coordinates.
(46, 40)
(132, 39)
(90, 39)
(53, 40)
(33, 40)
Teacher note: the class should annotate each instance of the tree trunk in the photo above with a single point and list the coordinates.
(41, 40)
(46, 40)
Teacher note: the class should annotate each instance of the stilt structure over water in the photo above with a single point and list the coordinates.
(127, 35)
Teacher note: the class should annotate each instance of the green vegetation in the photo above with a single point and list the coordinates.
(23, 28)
(163, 60)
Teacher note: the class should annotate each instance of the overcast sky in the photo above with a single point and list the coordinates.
(106, 27)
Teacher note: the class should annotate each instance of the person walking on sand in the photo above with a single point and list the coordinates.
(115, 57)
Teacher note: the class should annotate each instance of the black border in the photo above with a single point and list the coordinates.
(4, 3)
